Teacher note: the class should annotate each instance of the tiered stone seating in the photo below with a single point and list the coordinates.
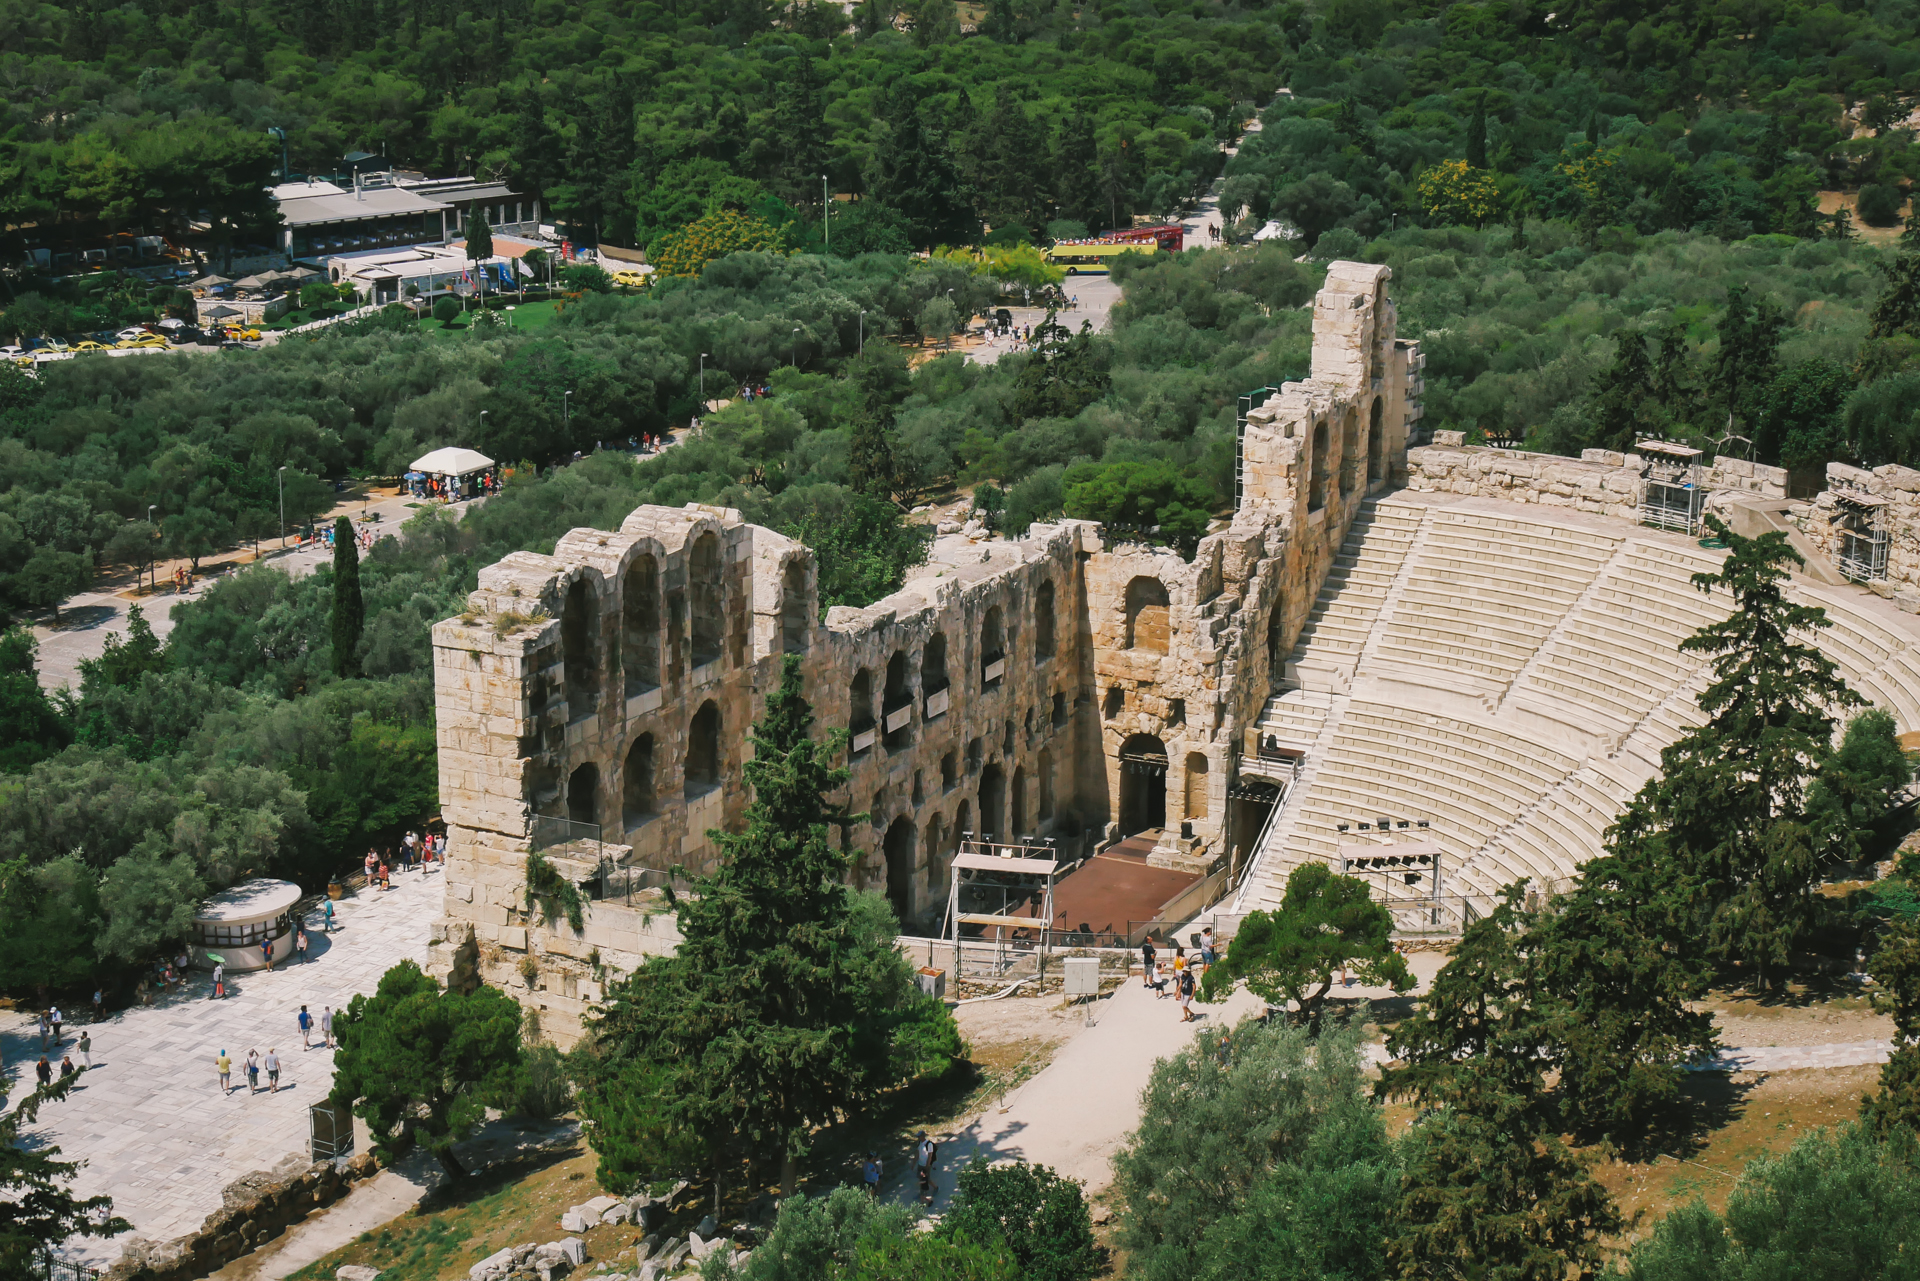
(1485, 591)
(1293, 719)
(1876, 660)
(1619, 655)
(1467, 780)
(1349, 602)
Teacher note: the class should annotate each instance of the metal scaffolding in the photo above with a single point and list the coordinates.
(1004, 893)
(1673, 492)
(1247, 404)
(1861, 519)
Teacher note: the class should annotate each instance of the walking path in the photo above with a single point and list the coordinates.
(149, 1120)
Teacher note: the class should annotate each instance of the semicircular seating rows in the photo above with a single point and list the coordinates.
(1509, 677)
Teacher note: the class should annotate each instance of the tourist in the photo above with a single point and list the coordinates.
(99, 1005)
(1147, 953)
(386, 877)
(327, 916)
(45, 1027)
(869, 1173)
(67, 1069)
(326, 1025)
(273, 1070)
(1179, 959)
(306, 1029)
(406, 856)
(373, 867)
(1159, 981)
(219, 980)
(300, 942)
(44, 1070)
(1186, 996)
(225, 1067)
(253, 1072)
(1207, 954)
(53, 1016)
(923, 1155)
(86, 1048)
(266, 953)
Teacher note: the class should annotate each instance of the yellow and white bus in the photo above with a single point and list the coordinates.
(1095, 258)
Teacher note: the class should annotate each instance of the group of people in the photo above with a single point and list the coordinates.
(414, 850)
(1185, 974)
(50, 1027)
(751, 392)
(364, 538)
(925, 1152)
(223, 1063)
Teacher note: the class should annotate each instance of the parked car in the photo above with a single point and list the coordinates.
(88, 345)
(129, 334)
(12, 350)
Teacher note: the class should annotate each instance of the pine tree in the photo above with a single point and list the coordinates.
(916, 176)
(785, 1003)
(1477, 136)
(1750, 335)
(479, 247)
(1621, 393)
(1897, 310)
(349, 611)
(1593, 129)
(1076, 173)
(1896, 969)
(38, 1209)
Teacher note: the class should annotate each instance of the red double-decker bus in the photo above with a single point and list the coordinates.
(1171, 238)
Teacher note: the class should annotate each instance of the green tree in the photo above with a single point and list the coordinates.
(915, 173)
(1896, 970)
(1622, 393)
(421, 1064)
(1065, 375)
(349, 617)
(1856, 787)
(1477, 135)
(1836, 1206)
(1040, 1217)
(1797, 418)
(148, 899)
(52, 911)
(38, 1210)
(1750, 335)
(1148, 494)
(1258, 1154)
(1325, 924)
(778, 1010)
(123, 663)
(31, 729)
(446, 309)
(1897, 310)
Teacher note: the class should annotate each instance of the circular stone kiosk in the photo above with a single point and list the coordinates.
(235, 922)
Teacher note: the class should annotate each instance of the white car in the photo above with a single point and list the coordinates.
(131, 334)
(11, 350)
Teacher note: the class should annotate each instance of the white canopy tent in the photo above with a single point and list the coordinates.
(452, 461)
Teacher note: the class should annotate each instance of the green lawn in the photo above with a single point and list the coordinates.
(530, 316)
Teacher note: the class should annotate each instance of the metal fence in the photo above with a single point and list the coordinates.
(50, 1267)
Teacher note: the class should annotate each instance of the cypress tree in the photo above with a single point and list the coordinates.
(1477, 136)
(349, 611)
(1622, 391)
(787, 1002)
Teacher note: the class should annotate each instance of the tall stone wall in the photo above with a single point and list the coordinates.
(1054, 686)
(1600, 481)
(1825, 519)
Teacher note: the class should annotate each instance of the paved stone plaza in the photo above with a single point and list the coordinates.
(149, 1120)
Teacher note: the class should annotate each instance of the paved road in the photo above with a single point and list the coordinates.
(149, 1120)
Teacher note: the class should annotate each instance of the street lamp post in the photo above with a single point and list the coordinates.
(566, 414)
(703, 382)
(826, 204)
(795, 359)
(863, 334)
(282, 476)
(153, 568)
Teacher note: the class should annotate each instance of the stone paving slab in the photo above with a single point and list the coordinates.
(149, 1120)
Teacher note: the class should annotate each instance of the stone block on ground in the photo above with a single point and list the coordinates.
(598, 1206)
(493, 1267)
(618, 1212)
(574, 1221)
(572, 1249)
(355, 1272)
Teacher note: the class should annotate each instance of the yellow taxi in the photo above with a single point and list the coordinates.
(88, 345)
(631, 279)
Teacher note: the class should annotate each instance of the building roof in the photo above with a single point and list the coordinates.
(311, 187)
(452, 461)
(374, 202)
(260, 900)
(462, 190)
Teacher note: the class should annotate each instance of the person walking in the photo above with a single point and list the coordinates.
(326, 1025)
(306, 1029)
(46, 1026)
(327, 916)
(273, 1070)
(253, 1072)
(67, 1069)
(1147, 955)
(1207, 953)
(44, 1070)
(1186, 996)
(219, 980)
(869, 1173)
(86, 1048)
(300, 943)
(266, 953)
(53, 1016)
(924, 1153)
(99, 1005)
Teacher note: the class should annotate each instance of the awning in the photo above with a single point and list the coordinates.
(216, 313)
(452, 461)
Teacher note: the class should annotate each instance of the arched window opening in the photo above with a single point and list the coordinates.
(993, 803)
(963, 824)
(637, 801)
(949, 770)
(1143, 784)
(1017, 821)
(1377, 442)
(1044, 642)
(993, 649)
(899, 848)
(705, 589)
(640, 626)
(936, 862)
(1276, 641)
(896, 704)
(1044, 769)
(796, 613)
(1147, 624)
(583, 794)
(1196, 785)
(703, 750)
(860, 710)
(1351, 460)
(1317, 470)
(579, 620)
(933, 664)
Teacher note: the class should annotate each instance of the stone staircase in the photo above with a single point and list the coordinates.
(1353, 597)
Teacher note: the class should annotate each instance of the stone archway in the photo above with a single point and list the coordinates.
(898, 846)
(1143, 784)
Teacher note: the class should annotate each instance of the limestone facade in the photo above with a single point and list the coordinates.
(1827, 519)
(1056, 686)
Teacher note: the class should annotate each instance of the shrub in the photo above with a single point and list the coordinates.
(446, 309)
(547, 1092)
(1879, 204)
